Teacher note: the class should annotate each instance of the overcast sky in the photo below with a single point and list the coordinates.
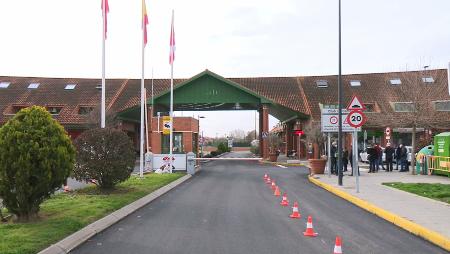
(233, 38)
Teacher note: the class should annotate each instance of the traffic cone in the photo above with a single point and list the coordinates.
(338, 246)
(265, 177)
(285, 201)
(295, 214)
(309, 228)
(268, 181)
(273, 185)
(277, 192)
(66, 188)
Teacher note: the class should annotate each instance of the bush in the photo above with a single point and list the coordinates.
(105, 155)
(223, 148)
(36, 158)
(214, 153)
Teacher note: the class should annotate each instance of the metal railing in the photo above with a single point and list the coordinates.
(439, 164)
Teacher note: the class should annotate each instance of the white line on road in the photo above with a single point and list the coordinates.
(281, 166)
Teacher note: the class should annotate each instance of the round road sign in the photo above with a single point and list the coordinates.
(333, 120)
(356, 118)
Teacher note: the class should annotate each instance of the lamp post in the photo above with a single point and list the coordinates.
(201, 145)
(340, 173)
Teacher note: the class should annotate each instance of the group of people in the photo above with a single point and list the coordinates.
(346, 157)
(375, 158)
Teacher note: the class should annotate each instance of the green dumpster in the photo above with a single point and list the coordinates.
(421, 161)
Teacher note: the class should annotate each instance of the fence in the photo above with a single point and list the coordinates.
(438, 164)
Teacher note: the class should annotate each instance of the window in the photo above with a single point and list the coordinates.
(322, 83)
(403, 106)
(177, 143)
(395, 81)
(442, 105)
(371, 107)
(70, 86)
(4, 84)
(428, 79)
(355, 83)
(33, 85)
(54, 110)
(17, 108)
(85, 110)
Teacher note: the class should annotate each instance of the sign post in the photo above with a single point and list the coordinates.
(356, 119)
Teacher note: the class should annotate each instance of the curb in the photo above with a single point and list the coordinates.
(72, 241)
(416, 229)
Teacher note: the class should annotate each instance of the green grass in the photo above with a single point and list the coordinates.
(437, 191)
(66, 213)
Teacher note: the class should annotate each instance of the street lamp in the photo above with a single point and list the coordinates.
(201, 144)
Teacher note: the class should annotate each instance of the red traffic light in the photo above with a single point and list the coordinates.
(298, 132)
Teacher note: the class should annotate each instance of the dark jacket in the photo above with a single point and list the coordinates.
(389, 151)
(371, 154)
(398, 152)
(333, 151)
(345, 157)
(404, 153)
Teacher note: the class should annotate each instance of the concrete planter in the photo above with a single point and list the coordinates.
(317, 166)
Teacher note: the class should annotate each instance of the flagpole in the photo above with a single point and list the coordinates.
(102, 124)
(151, 116)
(171, 104)
(141, 150)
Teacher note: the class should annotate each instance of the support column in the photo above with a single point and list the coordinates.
(264, 127)
(289, 145)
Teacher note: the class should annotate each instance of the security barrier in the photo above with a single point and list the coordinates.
(438, 164)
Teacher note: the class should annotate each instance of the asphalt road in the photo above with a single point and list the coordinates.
(227, 208)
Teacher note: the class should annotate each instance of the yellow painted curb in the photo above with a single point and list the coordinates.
(407, 225)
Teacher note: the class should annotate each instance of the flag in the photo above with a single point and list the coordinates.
(172, 43)
(105, 10)
(144, 21)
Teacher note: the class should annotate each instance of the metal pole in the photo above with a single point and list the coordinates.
(329, 153)
(340, 105)
(171, 104)
(201, 145)
(102, 106)
(141, 150)
(355, 159)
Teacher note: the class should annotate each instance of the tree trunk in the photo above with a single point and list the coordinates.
(413, 145)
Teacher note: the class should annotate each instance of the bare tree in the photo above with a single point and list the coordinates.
(412, 103)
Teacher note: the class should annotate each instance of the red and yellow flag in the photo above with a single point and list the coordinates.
(105, 10)
(144, 21)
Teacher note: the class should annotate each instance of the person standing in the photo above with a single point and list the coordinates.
(379, 154)
(345, 159)
(398, 152)
(372, 157)
(389, 151)
(333, 151)
(403, 159)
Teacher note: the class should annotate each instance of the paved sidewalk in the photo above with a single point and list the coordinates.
(429, 213)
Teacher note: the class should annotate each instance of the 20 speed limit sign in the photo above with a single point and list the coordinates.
(356, 118)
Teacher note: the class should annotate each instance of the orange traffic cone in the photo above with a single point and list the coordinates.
(338, 246)
(277, 192)
(268, 181)
(285, 201)
(66, 188)
(309, 228)
(273, 185)
(295, 214)
(265, 177)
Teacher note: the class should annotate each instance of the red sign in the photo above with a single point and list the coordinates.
(356, 118)
(356, 104)
(298, 132)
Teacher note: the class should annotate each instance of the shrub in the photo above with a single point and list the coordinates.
(223, 148)
(36, 157)
(214, 153)
(105, 155)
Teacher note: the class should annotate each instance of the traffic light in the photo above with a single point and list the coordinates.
(298, 132)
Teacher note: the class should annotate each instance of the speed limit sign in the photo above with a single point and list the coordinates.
(356, 118)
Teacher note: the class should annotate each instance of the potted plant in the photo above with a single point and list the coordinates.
(316, 138)
(274, 146)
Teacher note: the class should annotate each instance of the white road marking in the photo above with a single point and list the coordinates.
(281, 166)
